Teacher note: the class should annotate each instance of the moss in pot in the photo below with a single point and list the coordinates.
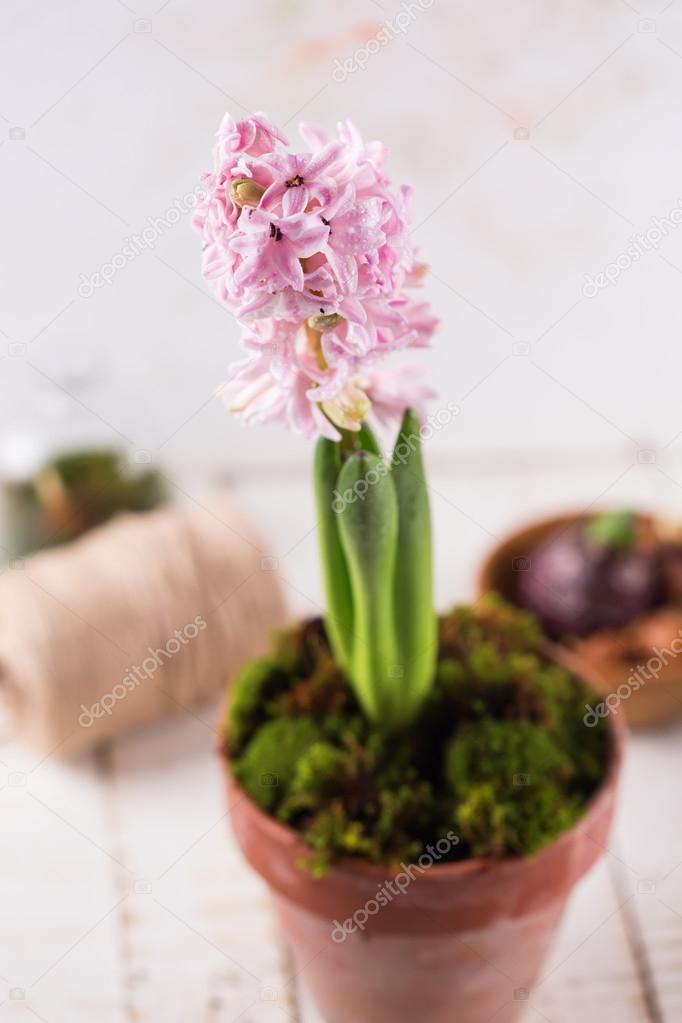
(493, 757)
(408, 786)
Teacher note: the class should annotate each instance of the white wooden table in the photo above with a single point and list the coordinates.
(124, 897)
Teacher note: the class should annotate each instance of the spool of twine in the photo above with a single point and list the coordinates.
(143, 617)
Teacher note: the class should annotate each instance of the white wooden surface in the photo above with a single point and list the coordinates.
(124, 898)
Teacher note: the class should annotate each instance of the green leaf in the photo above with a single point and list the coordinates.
(367, 441)
(339, 615)
(368, 527)
(615, 530)
(415, 619)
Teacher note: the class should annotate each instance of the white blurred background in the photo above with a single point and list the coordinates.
(539, 138)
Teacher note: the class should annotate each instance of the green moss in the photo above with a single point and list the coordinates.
(102, 481)
(494, 825)
(319, 771)
(74, 492)
(511, 783)
(251, 694)
(268, 765)
(298, 679)
(500, 755)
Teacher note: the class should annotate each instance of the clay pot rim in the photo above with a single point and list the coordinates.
(286, 836)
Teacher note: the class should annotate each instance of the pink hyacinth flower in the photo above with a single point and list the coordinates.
(311, 251)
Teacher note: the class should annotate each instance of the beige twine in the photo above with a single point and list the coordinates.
(76, 620)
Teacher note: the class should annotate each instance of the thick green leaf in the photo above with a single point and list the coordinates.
(415, 619)
(339, 615)
(368, 526)
(367, 441)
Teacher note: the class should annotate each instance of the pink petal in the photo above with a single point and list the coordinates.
(325, 159)
(345, 269)
(288, 264)
(309, 238)
(272, 195)
(294, 200)
(314, 135)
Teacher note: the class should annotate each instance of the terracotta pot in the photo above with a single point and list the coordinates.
(659, 699)
(464, 941)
